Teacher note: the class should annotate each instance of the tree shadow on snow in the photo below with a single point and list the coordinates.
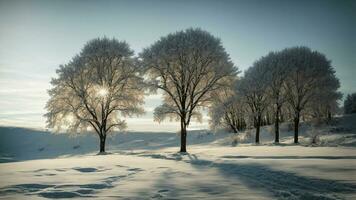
(293, 157)
(168, 187)
(281, 184)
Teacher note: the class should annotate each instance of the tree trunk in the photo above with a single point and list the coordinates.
(296, 127)
(233, 128)
(276, 125)
(329, 115)
(183, 136)
(258, 124)
(102, 144)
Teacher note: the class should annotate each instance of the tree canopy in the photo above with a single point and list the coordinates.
(188, 66)
(96, 89)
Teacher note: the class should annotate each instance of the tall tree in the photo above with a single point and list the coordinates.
(308, 71)
(276, 73)
(254, 87)
(95, 88)
(188, 66)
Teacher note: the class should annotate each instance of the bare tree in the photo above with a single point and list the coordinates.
(308, 71)
(254, 87)
(95, 88)
(188, 66)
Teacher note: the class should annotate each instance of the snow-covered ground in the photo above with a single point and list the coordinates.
(147, 165)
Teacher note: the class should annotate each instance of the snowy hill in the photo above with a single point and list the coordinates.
(27, 144)
(147, 165)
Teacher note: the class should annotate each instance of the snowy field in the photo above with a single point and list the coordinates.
(37, 165)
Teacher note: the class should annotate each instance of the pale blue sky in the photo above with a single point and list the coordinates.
(37, 36)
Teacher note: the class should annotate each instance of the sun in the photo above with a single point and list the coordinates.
(102, 92)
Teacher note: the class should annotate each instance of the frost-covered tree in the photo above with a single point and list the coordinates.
(254, 87)
(308, 71)
(275, 75)
(350, 104)
(96, 89)
(228, 110)
(188, 66)
(325, 102)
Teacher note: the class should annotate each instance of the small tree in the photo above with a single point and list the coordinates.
(350, 104)
(188, 66)
(325, 103)
(228, 110)
(95, 88)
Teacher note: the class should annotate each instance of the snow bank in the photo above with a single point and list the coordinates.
(147, 166)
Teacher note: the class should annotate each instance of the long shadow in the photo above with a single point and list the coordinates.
(281, 184)
(293, 157)
(166, 187)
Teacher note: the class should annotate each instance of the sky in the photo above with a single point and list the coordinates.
(37, 36)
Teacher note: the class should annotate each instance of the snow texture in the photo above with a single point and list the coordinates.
(38, 165)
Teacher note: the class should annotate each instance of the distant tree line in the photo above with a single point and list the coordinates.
(289, 85)
(105, 82)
